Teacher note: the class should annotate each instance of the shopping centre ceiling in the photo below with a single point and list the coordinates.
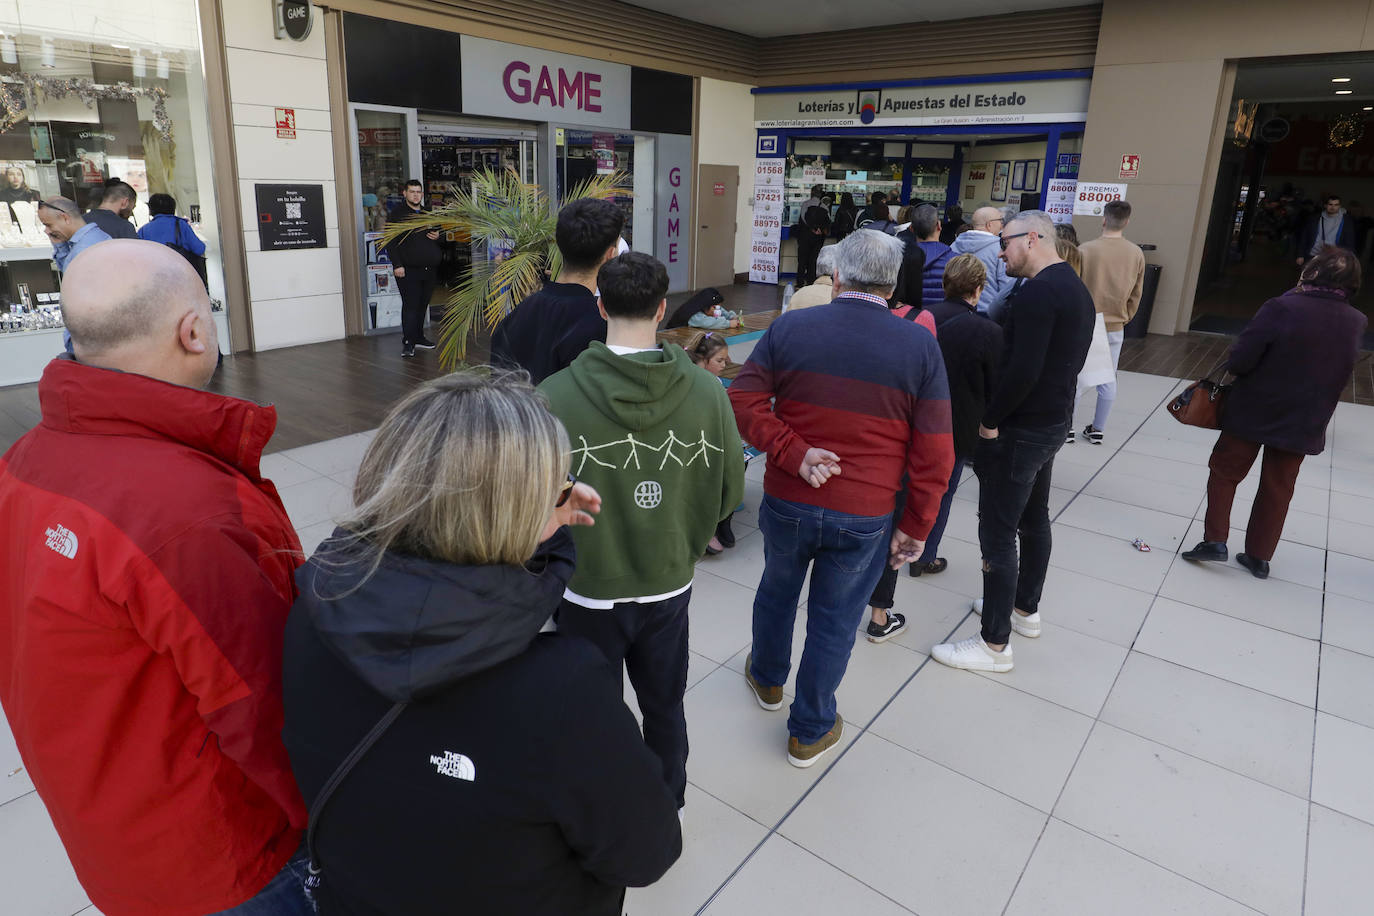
(772, 18)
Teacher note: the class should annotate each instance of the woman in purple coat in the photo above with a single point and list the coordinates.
(1292, 362)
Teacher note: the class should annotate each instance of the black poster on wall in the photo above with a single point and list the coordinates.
(290, 216)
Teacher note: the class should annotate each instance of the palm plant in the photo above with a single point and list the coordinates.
(510, 225)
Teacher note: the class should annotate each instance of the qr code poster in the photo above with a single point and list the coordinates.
(290, 216)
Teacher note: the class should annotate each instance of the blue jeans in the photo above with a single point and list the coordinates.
(938, 532)
(284, 895)
(1014, 472)
(846, 554)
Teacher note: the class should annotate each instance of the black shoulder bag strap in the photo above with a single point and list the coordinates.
(313, 879)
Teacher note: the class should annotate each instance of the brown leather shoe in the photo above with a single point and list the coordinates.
(770, 698)
(803, 755)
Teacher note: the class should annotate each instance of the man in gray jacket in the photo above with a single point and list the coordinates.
(981, 242)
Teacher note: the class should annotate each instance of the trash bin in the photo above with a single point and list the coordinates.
(1140, 324)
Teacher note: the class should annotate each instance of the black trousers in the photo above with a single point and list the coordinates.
(416, 287)
(886, 589)
(651, 641)
(809, 246)
(1014, 473)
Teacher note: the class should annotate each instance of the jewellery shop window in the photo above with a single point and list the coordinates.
(78, 116)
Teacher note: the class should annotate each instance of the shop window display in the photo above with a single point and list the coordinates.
(79, 110)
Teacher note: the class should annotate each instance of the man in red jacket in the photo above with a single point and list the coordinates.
(145, 578)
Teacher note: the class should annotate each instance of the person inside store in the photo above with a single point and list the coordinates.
(70, 235)
(415, 257)
(16, 189)
(496, 768)
(551, 327)
(116, 206)
(866, 215)
(149, 576)
(811, 230)
(1291, 364)
(166, 228)
(953, 224)
(846, 216)
(1330, 227)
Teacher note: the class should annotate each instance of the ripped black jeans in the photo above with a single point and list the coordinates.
(1014, 504)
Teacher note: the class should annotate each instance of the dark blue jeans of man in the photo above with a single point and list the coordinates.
(284, 895)
(650, 639)
(933, 542)
(1014, 503)
(846, 554)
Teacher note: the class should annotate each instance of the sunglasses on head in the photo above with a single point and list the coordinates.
(1004, 240)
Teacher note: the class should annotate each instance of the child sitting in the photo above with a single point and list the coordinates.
(714, 318)
(711, 353)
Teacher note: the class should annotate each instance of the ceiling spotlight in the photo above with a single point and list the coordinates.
(1344, 91)
(164, 68)
(1340, 79)
(9, 53)
(1368, 108)
(120, 47)
(140, 64)
(48, 55)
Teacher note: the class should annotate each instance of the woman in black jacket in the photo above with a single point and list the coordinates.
(513, 779)
(1292, 362)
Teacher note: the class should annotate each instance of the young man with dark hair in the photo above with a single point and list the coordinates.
(414, 259)
(1328, 228)
(550, 328)
(112, 215)
(655, 436)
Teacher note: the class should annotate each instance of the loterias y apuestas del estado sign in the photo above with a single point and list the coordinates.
(1023, 102)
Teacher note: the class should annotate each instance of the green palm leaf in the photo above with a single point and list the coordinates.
(499, 212)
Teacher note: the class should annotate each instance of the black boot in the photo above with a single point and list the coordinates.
(724, 533)
(1214, 551)
(1258, 568)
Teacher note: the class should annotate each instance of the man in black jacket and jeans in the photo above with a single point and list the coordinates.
(1046, 341)
(414, 258)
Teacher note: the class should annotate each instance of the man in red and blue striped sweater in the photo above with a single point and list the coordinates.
(846, 400)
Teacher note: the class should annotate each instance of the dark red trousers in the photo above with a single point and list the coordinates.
(1231, 461)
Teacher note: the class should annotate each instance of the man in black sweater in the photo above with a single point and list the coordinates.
(548, 329)
(1046, 341)
(414, 257)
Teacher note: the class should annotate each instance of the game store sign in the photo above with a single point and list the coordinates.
(1021, 102)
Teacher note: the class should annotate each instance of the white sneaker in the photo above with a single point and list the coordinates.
(1021, 625)
(972, 654)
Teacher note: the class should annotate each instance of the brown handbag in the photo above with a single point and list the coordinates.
(1200, 403)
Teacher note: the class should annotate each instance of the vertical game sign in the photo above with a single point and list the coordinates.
(766, 238)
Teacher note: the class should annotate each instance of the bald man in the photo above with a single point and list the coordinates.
(981, 241)
(146, 572)
(70, 235)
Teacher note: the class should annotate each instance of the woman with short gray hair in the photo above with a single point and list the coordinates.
(450, 750)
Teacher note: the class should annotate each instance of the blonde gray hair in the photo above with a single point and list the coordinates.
(465, 469)
(963, 275)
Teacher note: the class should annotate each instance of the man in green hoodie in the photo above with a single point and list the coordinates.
(655, 436)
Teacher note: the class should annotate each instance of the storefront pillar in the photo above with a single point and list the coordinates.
(1051, 157)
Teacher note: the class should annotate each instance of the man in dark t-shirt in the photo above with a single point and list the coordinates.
(1046, 340)
(548, 329)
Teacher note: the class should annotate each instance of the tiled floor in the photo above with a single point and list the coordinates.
(1182, 739)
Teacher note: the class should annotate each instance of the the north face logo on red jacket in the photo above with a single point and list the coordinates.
(63, 541)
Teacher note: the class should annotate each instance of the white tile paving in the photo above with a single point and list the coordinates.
(1182, 738)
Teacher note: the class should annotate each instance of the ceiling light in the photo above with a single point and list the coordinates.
(1344, 91)
(48, 55)
(140, 64)
(1368, 108)
(8, 52)
(120, 47)
(164, 69)
(1340, 79)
